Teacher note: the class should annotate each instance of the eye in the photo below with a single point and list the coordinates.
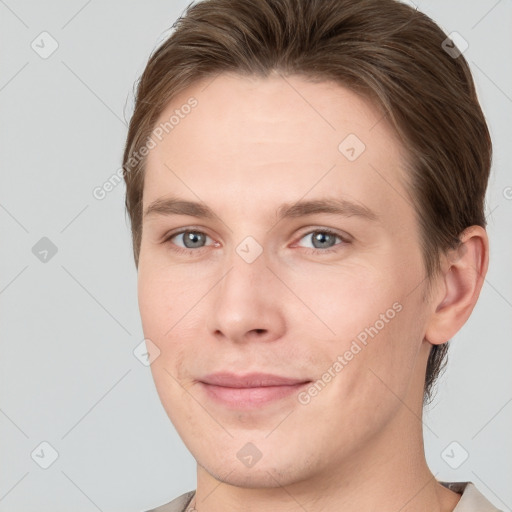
(188, 240)
(322, 240)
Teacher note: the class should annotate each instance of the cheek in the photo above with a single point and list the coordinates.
(342, 302)
(153, 307)
(173, 318)
(370, 320)
(163, 296)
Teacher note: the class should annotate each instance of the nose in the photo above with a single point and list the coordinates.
(247, 304)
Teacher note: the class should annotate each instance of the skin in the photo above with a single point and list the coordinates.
(249, 146)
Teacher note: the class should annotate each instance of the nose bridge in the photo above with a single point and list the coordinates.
(245, 300)
(247, 262)
(244, 283)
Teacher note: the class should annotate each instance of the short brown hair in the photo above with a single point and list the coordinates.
(381, 49)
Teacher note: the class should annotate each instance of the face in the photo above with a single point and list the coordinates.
(281, 279)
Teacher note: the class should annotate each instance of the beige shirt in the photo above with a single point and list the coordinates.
(472, 500)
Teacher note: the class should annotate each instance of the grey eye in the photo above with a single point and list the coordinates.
(322, 239)
(191, 239)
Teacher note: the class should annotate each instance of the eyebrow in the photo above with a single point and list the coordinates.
(342, 207)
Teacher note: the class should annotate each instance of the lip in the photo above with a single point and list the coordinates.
(249, 380)
(250, 390)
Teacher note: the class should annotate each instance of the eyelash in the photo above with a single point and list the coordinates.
(311, 251)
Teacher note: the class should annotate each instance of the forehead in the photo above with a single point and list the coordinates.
(284, 137)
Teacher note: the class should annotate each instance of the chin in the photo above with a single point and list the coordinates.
(249, 478)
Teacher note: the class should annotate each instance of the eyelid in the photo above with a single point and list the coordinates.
(345, 237)
(179, 231)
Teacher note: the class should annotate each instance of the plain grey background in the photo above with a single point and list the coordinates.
(70, 323)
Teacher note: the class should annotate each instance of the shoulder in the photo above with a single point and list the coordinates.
(179, 504)
(472, 499)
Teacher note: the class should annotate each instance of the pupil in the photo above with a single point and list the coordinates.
(193, 239)
(321, 238)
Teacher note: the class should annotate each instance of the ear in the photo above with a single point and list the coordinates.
(458, 286)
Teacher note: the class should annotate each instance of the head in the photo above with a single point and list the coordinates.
(281, 119)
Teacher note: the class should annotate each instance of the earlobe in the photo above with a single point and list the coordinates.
(460, 283)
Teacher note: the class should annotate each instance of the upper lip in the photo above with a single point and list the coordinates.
(249, 380)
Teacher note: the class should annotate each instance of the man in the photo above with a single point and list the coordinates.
(305, 183)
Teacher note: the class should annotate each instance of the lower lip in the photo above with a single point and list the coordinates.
(250, 397)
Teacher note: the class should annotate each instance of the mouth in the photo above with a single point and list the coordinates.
(250, 390)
